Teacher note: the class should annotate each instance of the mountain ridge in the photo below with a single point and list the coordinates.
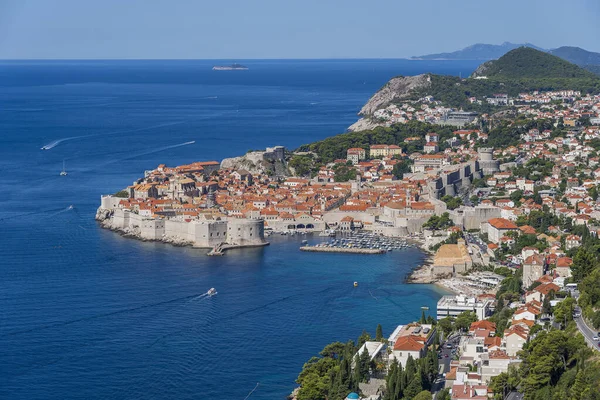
(526, 62)
(588, 60)
(477, 51)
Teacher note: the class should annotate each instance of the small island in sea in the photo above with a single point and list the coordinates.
(232, 67)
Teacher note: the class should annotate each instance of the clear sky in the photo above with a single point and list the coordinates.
(240, 29)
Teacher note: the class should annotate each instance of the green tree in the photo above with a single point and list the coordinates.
(357, 373)
(547, 357)
(401, 168)
(516, 196)
(583, 263)
(365, 365)
(424, 395)
(593, 192)
(452, 202)
(414, 388)
(444, 394)
(464, 320)
(333, 350)
(344, 173)
(124, 194)
(379, 333)
(445, 325)
(563, 311)
(437, 223)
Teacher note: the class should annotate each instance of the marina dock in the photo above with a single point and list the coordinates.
(355, 250)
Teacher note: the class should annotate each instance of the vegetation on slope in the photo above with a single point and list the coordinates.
(526, 62)
(335, 147)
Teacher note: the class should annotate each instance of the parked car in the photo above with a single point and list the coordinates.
(595, 338)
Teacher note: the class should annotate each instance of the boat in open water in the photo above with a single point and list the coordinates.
(232, 67)
(64, 171)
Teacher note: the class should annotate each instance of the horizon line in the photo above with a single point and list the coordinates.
(204, 59)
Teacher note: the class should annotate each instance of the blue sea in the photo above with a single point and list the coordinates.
(87, 314)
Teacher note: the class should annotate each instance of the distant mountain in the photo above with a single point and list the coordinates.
(526, 62)
(576, 55)
(585, 59)
(479, 51)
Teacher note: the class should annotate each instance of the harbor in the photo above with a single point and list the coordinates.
(358, 243)
(354, 250)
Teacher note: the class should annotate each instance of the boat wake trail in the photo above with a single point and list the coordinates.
(55, 143)
(252, 391)
(200, 297)
(173, 146)
(60, 212)
(139, 155)
(33, 213)
(372, 295)
(104, 315)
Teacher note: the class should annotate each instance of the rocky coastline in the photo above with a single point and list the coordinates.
(421, 274)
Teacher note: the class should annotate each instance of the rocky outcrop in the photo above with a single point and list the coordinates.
(396, 89)
(363, 124)
(270, 161)
(481, 70)
(252, 162)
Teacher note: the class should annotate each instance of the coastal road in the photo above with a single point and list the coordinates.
(587, 332)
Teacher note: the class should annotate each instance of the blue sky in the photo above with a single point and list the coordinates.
(240, 29)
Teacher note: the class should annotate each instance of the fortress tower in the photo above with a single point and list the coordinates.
(246, 232)
(486, 160)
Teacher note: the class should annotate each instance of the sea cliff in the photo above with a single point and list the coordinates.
(397, 88)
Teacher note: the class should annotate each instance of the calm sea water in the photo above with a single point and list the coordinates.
(87, 314)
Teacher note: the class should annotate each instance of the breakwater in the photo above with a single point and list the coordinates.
(342, 250)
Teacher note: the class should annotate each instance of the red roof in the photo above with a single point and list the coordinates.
(409, 343)
(502, 223)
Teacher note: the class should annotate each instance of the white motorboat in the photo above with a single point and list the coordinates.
(64, 171)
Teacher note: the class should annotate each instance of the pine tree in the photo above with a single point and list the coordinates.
(399, 383)
(356, 378)
(365, 364)
(378, 333)
(390, 381)
(413, 388)
(411, 368)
